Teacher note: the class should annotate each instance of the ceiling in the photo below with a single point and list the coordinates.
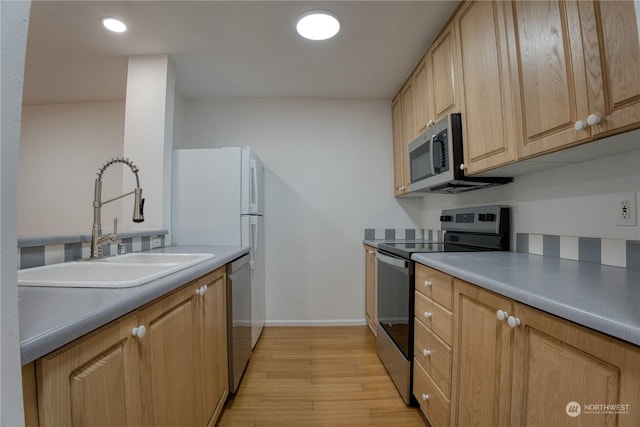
(232, 49)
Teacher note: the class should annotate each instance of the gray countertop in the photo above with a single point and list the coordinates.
(603, 298)
(375, 242)
(51, 317)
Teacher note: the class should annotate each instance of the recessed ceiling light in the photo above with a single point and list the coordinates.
(318, 25)
(113, 24)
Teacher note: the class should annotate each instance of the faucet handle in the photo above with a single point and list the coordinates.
(138, 205)
(115, 225)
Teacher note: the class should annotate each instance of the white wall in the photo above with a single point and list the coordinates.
(573, 200)
(14, 23)
(148, 137)
(328, 175)
(62, 147)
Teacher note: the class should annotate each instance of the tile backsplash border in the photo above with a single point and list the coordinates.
(402, 234)
(612, 252)
(39, 251)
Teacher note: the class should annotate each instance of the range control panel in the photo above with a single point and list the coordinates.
(478, 219)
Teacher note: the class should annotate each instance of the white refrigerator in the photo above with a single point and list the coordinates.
(218, 199)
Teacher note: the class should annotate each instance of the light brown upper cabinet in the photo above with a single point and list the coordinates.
(400, 153)
(409, 131)
(427, 95)
(529, 77)
(579, 69)
(434, 81)
(611, 35)
(490, 115)
(404, 132)
(552, 75)
(423, 81)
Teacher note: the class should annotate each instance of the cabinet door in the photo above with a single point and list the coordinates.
(169, 360)
(435, 91)
(371, 288)
(443, 54)
(482, 358)
(92, 382)
(612, 49)
(489, 119)
(400, 154)
(423, 96)
(409, 131)
(214, 377)
(552, 75)
(558, 362)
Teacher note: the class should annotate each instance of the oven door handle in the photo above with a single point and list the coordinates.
(396, 262)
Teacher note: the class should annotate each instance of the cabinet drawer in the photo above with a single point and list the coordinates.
(435, 317)
(433, 403)
(437, 362)
(434, 284)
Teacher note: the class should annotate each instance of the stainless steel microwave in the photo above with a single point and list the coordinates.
(436, 162)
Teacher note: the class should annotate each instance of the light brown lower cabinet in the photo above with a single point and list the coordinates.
(213, 347)
(163, 365)
(535, 369)
(482, 358)
(432, 344)
(371, 288)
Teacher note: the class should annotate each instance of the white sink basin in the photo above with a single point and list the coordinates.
(157, 258)
(118, 272)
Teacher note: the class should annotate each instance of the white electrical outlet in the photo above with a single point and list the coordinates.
(626, 209)
(156, 242)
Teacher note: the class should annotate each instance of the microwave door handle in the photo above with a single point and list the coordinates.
(431, 164)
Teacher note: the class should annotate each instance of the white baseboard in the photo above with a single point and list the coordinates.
(332, 322)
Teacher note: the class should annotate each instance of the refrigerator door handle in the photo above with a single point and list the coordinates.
(253, 207)
(253, 221)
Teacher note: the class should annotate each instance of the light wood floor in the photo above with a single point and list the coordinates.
(317, 376)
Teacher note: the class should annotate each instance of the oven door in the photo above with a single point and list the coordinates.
(395, 301)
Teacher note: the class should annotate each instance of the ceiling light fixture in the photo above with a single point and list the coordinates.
(113, 24)
(318, 25)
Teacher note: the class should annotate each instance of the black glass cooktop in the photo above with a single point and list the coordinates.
(453, 242)
(406, 249)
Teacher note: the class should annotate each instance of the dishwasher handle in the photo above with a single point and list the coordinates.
(237, 264)
(396, 262)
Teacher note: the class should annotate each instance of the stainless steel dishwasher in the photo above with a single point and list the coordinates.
(239, 318)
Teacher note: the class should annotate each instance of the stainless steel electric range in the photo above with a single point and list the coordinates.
(480, 228)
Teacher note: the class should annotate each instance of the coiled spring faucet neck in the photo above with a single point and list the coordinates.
(127, 162)
(97, 239)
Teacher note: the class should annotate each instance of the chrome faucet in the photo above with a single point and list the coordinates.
(98, 240)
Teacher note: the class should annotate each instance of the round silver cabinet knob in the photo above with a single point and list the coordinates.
(513, 322)
(580, 125)
(139, 331)
(593, 119)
